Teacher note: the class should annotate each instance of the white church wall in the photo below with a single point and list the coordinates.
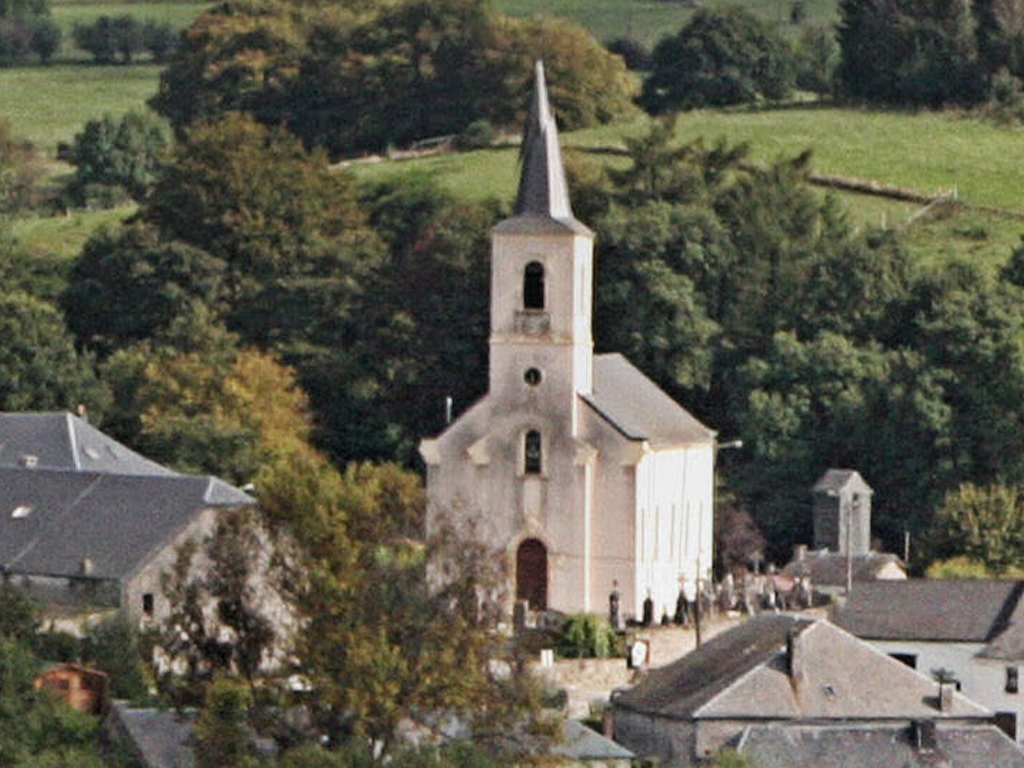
(675, 520)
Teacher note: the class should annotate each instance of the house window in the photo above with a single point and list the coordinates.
(1012, 680)
(533, 286)
(147, 603)
(532, 453)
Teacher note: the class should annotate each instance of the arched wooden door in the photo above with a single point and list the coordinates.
(532, 574)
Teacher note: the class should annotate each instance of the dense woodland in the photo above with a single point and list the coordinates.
(266, 317)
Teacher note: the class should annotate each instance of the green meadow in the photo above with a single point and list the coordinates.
(47, 105)
(647, 21)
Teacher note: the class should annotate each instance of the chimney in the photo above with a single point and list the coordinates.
(795, 661)
(946, 689)
(800, 552)
(86, 566)
(28, 461)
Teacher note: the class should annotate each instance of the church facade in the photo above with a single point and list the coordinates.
(575, 467)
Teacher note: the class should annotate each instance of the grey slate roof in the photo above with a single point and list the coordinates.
(679, 689)
(116, 521)
(542, 202)
(582, 743)
(64, 441)
(637, 407)
(835, 480)
(748, 673)
(161, 738)
(878, 746)
(931, 610)
(829, 568)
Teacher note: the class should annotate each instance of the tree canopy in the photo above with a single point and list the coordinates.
(348, 80)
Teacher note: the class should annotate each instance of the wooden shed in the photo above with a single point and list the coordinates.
(83, 688)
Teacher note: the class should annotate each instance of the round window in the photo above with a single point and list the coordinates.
(532, 377)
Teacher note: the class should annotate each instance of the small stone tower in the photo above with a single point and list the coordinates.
(842, 512)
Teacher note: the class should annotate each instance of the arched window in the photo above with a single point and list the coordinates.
(532, 453)
(533, 286)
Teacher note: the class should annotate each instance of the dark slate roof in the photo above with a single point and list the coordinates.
(925, 609)
(835, 480)
(583, 744)
(542, 202)
(679, 689)
(878, 746)
(829, 568)
(116, 521)
(637, 407)
(162, 738)
(64, 441)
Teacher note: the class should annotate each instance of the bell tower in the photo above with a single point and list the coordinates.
(541, 349)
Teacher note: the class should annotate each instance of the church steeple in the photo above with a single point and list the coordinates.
(543, 192)
(541, 275)
(542, 188)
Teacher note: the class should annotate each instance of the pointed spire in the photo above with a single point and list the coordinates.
(542, 187)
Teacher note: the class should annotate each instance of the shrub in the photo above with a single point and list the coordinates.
(44, 39)
(477, 135)
(587, 635)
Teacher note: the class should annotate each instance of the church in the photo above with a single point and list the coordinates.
(575, 467)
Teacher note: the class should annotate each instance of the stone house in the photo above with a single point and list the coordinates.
(778, 670)
(575, 466)
(971, 631)
(87, 525)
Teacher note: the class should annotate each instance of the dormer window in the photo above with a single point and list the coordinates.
(533, 286)
(532, 454)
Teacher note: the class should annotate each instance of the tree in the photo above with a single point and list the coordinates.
(39, 367)
(721, 56)
(21, 169)
(208, 408)
(291, 234)
(113, 647)
(391, 630)
(125, 153)
(223, 739)
(982, 523)
(45, 39)
(109, 37)
(357, 80)
(908, 52)
(130, 286)
(223, 592)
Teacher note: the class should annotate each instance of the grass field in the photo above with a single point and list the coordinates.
(51, 104)
(649, 20)
(62, 237)
(926, 152)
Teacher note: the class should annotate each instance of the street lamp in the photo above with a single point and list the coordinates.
(718, 447)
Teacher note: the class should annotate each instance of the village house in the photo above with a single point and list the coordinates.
(794, 675)
(87, 525)
(971, 632)
(576, 466)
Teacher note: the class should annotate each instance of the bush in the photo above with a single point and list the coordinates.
(110, 37)
(587, 636)
(116, 159)
(14, 42)
(44, 39)
(477, 135)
